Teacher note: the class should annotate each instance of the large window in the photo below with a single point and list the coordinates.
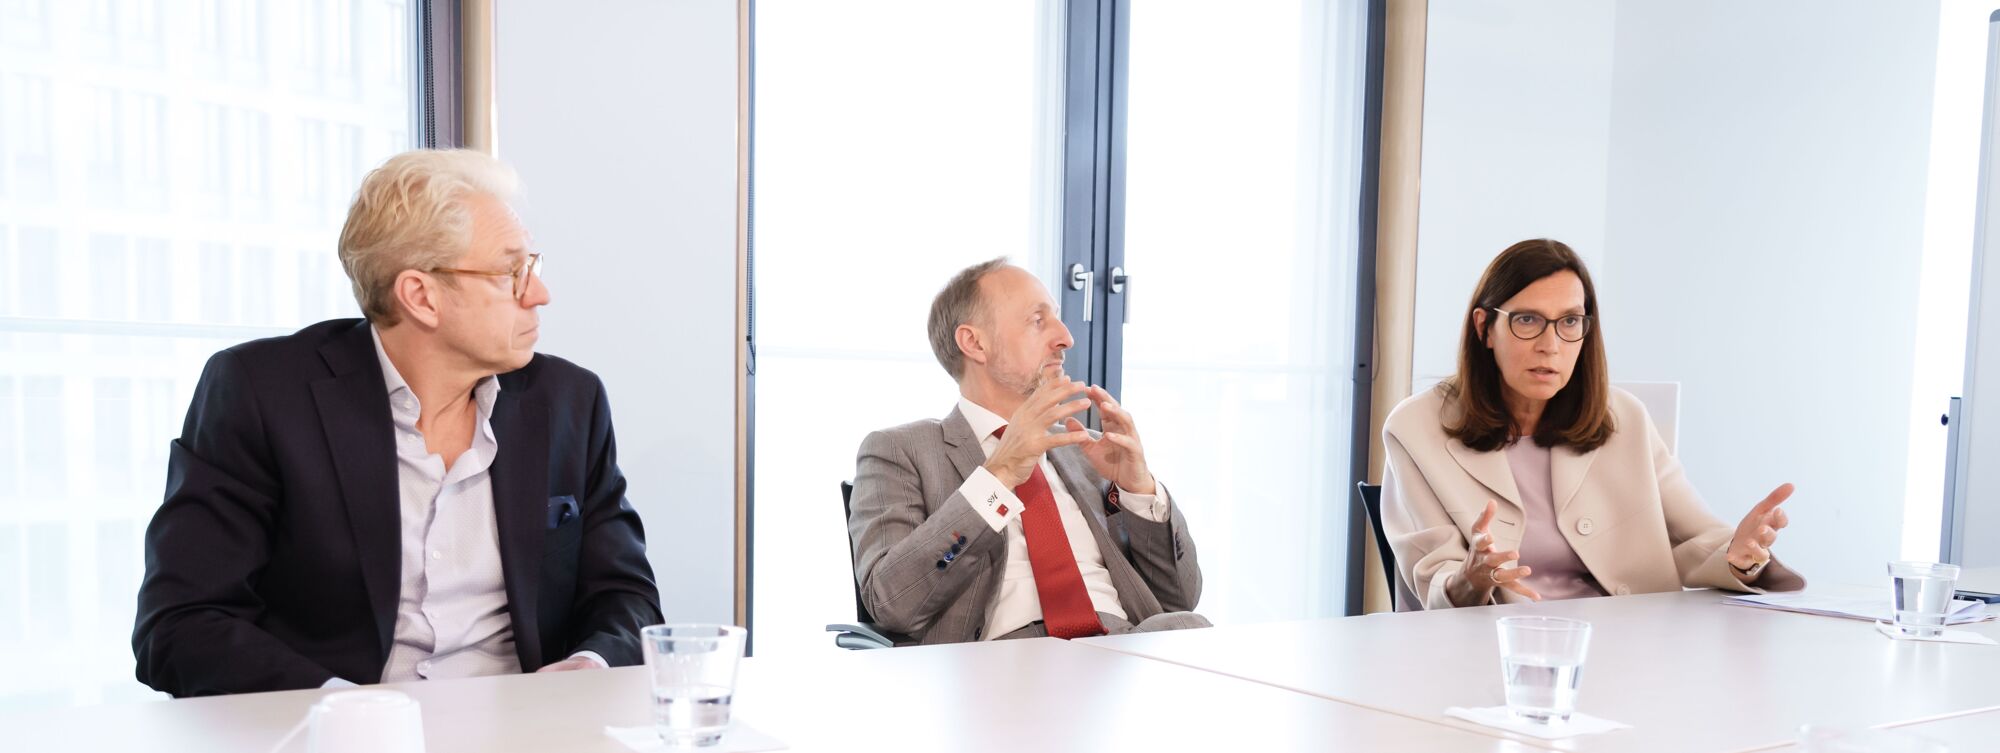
(897, 141)
(172, 180)
(1241, 237)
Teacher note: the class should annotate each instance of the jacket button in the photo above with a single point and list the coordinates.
(1585, 526)
(940, 564)
(1624, 590)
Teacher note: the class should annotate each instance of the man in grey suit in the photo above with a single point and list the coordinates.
(965, 531)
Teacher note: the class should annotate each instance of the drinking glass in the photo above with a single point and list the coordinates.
(1541, 664)
(693, 669)
(1920, 594)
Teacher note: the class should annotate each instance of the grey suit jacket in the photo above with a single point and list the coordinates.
(907, 513)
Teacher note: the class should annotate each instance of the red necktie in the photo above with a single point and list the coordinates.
(1066, 609)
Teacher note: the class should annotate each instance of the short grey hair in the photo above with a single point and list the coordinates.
(412, 213)
(958, 303)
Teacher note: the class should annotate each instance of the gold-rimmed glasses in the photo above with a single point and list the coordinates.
(531, 266)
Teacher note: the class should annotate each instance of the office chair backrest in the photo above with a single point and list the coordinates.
(1371, 500)
(847, 514)
(1663, 403)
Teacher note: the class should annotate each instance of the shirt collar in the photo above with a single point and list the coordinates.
(984, 422)
(390, 376)
(483, 393)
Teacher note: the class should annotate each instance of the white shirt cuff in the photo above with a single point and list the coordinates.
(592, 655)
(335, 682)
(1152, 507)
(996, 503)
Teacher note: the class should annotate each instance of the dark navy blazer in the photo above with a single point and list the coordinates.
(275, 561)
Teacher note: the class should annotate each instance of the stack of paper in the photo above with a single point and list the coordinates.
(1853, 603)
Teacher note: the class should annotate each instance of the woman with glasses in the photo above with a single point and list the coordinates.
(1526, 476)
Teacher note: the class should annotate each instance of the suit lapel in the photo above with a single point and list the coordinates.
(966, 456)
(1567, 469)
(961, 446)
(1133, 592)
(1088, 497)
(1488, 468)
(353, 408)
(520, 479)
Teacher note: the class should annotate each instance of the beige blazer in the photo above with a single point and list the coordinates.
(1626, 508)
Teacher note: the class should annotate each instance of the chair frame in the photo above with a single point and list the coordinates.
(1370, 496)
(863, 633)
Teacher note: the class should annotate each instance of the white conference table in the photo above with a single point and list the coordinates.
(1976, 732)
(1041, 694)
(1687, 672)
(1965, 733)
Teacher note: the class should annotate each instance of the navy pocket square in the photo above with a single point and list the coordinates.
(561, 510)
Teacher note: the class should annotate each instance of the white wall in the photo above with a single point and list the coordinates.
(620, 116)
(1757, 233)
(1516, 134)
(1765, 231)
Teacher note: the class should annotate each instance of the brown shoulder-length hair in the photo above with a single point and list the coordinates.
(1580, 414)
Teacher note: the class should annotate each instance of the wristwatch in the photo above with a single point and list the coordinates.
(1750, 574)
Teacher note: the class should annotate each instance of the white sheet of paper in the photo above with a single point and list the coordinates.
(1498, 718)
(1852, 602)
(738, 738)
(1944, 636)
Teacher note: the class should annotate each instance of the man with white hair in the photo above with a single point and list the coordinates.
(413, 495)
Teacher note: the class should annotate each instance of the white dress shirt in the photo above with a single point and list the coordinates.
(451, 614)
(1018, 604)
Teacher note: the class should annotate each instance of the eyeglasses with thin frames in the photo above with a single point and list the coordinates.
(531, 266)
(1528, 325)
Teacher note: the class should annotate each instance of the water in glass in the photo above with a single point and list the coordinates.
(694, 680)
(1541, 666)
(1541, 688)
(691, 715)
(1921, 596)
(1921, 603)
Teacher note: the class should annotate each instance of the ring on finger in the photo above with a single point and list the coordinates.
(1494, 575)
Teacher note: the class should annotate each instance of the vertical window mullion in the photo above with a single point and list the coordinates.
(1111, 318)
(1093, 186)
(1081, 180)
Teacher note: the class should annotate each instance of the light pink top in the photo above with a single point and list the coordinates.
(1558, 572)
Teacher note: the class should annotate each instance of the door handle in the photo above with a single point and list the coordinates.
(1117, 286)
(1081, 279)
